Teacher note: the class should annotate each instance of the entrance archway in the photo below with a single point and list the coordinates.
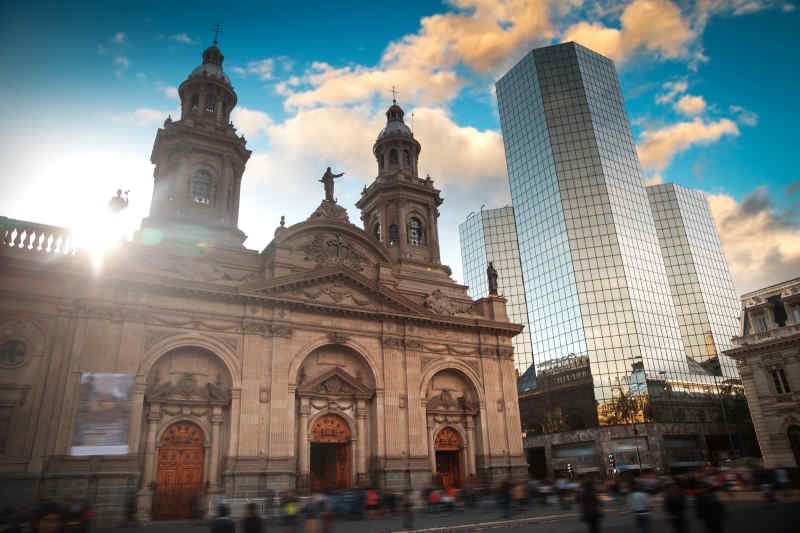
(448, 447)
(179, 478)
(330, 453)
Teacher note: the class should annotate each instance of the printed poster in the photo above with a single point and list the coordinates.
(104, 414)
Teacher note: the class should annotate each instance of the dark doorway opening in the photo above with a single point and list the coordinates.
(330, 466)
(448, 468)
(537, 462)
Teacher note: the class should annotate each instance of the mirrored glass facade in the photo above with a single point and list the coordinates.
(594, 278)
(702, 288)
(491, 235)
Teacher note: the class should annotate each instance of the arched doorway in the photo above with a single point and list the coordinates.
(448, 448)
(794, 440)
(179, 478)
(330, 453)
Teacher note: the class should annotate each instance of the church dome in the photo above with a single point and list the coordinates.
(212, 65)
(394, 123)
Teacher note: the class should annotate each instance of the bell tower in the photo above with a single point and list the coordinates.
(199, 162)
(399, 209)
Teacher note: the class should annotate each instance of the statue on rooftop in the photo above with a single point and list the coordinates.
(327, 180)
(118, 202)
(491, 275)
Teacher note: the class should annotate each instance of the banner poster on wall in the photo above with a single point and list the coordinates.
(104, 414)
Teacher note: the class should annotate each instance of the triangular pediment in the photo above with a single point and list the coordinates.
(335, 382)
(334, 288)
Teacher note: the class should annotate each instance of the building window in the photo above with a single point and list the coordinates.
(794, 439)
(195, 102)
(380, 161)
(406, 158)
(761, 323)
(12, 353)
(393, 235)
(415, 232)
(796, 314)
(781, 383)
(201, 188)
(5, 428)
(393, 157)
(210, 103)
(378, 231)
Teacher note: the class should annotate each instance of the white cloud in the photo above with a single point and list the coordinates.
(746, 117)
(748, 7)
(250, 122)
(171, 92)
(483, 35)
(119, 38)
(788, 8)
(691, 105)
(674, 88)
(182, 38)
(657, 26)
(761, 247)
(263, 68)
(658, 147)
(121, 64)
(144, 116)
(141, 75)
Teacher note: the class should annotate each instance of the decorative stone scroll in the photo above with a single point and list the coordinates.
(326, 249)
(442, 305)
(330, 429)
(187, 388)
(447, 439)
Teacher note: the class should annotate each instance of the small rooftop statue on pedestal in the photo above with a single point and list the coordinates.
(491, 275)
(327, 180)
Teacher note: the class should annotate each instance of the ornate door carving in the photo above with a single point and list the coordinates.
(447, 439)
(179, 478)
(330, 429)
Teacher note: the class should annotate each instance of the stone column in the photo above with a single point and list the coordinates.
(470, 447)
(303, 445)
(216, 447)
(362, 414)
(236, 407)
(431, 449)
(145, 495)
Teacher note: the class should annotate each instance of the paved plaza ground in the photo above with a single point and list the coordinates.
(742, 517)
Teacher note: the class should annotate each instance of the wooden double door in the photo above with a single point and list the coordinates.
(330, 454)
(179, 478)
(448, 449)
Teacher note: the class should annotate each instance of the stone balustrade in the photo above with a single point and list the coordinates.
(24, 235)
(770, 334)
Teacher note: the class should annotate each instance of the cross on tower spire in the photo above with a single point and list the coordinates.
(395, 93)
(217, 29)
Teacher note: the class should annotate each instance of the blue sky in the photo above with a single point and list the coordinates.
(708, 86)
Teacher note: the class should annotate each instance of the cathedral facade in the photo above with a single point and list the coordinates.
(191, 367)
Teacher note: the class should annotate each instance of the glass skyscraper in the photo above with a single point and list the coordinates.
(702, 289)
(491, 235)
(594, 278)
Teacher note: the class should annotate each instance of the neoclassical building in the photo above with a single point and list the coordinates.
(189, 366)
(768, 356)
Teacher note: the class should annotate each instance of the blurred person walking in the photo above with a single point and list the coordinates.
(252, 522)
(675, 507)
(223, 523)
(408, 510)
(590, 506)
(641, 505)
(710, 510)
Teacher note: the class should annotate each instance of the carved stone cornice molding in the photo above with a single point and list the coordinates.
(282, 331)
(392, 342)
